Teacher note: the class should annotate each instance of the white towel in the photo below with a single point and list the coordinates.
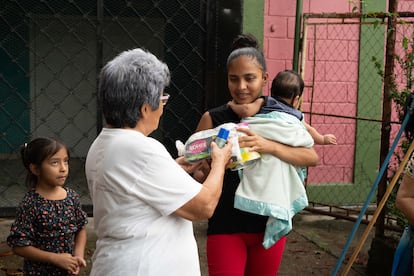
(270, 186)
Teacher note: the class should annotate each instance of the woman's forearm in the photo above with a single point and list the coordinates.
(298, 156)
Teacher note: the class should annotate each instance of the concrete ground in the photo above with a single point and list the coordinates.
(312, 248)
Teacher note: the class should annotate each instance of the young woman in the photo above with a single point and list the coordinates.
(234, 241)
(49, 230)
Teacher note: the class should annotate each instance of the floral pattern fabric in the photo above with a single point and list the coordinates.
(49, 225)
(410, 166)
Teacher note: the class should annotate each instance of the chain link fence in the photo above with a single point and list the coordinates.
(344, 93)
(50, 55)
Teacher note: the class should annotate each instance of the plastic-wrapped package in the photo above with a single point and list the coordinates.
(246, 154)
(197, 147)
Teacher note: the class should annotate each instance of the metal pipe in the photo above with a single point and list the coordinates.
(298, 23)
(384, 166)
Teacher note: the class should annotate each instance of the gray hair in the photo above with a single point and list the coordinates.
(131, 79)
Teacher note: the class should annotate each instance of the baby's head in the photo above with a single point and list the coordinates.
(288, 86)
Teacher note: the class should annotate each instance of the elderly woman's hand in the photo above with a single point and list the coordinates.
(220, 156)
(200, 170)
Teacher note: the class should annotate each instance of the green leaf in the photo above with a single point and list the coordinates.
(405, 43)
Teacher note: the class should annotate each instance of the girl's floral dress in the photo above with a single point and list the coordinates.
(49, 225)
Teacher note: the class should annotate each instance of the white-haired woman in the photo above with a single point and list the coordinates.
(144, 202)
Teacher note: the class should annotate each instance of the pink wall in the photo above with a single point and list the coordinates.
(336, 162)
(278, 45)
(279, 28)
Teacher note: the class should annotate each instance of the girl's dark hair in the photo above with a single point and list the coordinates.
(247, 45)
(36, 152)
(287, 84)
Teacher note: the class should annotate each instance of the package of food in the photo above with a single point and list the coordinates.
(246, 155)
(197, 147)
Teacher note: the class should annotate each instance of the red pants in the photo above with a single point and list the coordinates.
(242, 254)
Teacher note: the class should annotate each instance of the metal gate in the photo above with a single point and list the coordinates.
(344, 96)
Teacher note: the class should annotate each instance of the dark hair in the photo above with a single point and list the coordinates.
(36, 152)
(287, 84)
(244, 40)
(247, 45)
(131, 79)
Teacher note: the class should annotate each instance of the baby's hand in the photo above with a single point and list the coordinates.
(231, 104)
(237, 108)
(329, 139)
(246, 110)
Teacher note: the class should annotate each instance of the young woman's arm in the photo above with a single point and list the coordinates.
(205, 122)
(299, 156)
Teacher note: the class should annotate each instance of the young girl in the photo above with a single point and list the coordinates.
(49, 230)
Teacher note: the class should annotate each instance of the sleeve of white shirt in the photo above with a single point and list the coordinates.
(161, 182)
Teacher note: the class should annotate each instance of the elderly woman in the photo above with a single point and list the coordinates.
(144, 201)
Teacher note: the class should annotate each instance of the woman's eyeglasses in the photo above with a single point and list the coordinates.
(164, 98)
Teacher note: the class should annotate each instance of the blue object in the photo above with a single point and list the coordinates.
(403, 256)
(221, 137)
(384, 166)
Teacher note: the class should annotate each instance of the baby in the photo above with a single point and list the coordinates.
(287, 88)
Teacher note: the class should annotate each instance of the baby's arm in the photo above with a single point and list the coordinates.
(327, 139)
(246, 110)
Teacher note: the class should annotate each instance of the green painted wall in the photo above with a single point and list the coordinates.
(253, 18)
(369, 94)
(369, 106)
